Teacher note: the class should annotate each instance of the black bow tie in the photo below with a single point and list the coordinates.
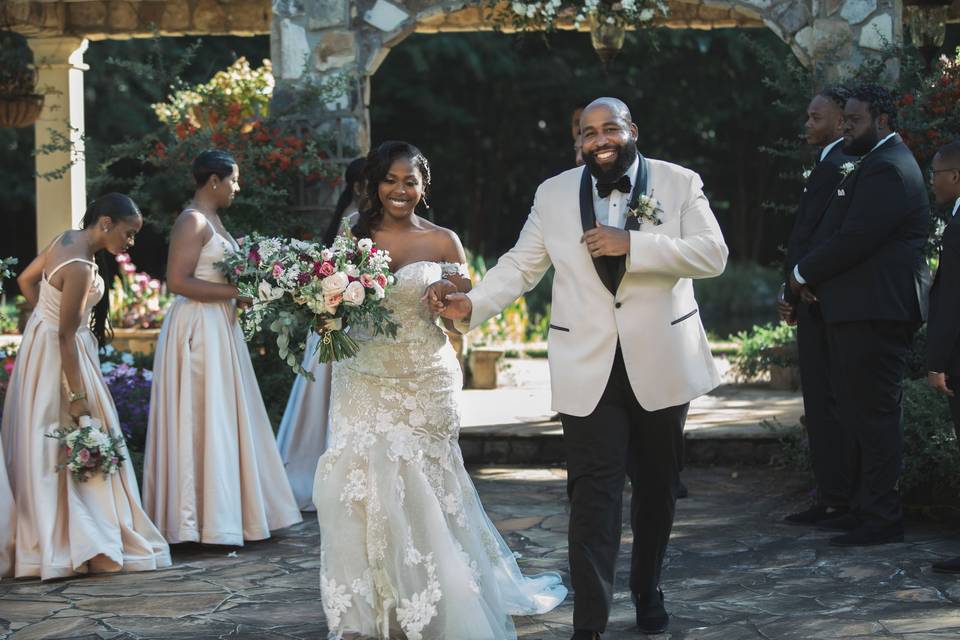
(623, 185)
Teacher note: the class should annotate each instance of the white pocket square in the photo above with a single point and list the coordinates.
(841, 192)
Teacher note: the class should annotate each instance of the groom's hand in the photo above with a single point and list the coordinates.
(457, 306)
(607, 241)
(435, 294)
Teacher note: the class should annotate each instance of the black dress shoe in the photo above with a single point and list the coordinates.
(652, 618)
(868, 537)
(846, 522)
(585, 635)
(814, 515)
(947, 566)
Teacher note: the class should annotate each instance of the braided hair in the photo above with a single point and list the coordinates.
(879, 100)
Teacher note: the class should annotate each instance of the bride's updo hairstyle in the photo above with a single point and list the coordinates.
(378, 166)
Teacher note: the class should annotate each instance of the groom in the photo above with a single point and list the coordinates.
(627, 349)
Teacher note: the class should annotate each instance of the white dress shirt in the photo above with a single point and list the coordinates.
(827, 149)
(956, 207)
(611, 211)
(796, 268)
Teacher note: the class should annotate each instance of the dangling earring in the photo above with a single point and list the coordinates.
(426, 205)
(214, 187)
(105, 229)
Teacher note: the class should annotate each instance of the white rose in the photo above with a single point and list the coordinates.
(378, 292)
(265, 291)
(337, 283)
(365, 245)
(354, 294)
(326, 254)
(352, 271)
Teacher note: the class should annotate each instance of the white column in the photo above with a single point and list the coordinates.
(61, 201)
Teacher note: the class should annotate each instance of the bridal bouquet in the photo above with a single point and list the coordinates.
(299, 287)
(89, 449)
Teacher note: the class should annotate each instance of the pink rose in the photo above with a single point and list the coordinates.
(331, 301)
(277, 269)
(354, 294)
(84, 455)
(367, 281)
(327, 269)
(381, 279)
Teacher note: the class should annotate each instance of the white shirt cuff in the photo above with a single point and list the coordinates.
(797, 276)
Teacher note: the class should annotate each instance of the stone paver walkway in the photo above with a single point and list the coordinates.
(734, 572)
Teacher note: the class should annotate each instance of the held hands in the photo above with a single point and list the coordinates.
(606, 241)
(443, 299)
(805, 292)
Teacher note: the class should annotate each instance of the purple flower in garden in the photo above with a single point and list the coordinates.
(130, 388)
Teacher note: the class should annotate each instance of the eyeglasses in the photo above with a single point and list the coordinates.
(932, 172)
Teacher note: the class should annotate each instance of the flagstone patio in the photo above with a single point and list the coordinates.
(734, 572)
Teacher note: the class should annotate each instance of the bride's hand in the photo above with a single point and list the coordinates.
(435, 295)
(457, 306)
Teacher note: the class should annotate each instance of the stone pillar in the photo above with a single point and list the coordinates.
(61, 200)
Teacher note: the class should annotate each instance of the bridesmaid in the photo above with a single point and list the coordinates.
(304, 428)
(212, 473)
(66, 527)
(8, 522)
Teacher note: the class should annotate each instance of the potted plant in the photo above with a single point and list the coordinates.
(483, 362)
(768, 349)
(20, 104)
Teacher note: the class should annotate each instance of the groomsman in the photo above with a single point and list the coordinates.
(943, 330)
(828, 449)
(867, 271)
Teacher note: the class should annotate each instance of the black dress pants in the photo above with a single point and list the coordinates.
(831, 454)
(619, 439)
(869, 358)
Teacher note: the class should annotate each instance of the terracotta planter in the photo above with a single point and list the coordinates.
(483, 367)
(135, 340)
(19, 111)
(784, 378)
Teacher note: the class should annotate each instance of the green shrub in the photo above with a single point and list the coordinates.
(931, 459)
(762, 347)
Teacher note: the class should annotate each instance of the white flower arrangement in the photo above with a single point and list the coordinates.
(848, 167)
(647, 209)
(543, 14)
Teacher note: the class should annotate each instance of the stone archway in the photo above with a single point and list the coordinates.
(314, 38)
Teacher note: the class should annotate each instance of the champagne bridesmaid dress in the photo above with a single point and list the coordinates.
(304, 429)
(212, 472)
(65, 527)
(8, 522)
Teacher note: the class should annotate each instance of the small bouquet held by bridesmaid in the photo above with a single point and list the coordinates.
(89, 450)
(299, 287)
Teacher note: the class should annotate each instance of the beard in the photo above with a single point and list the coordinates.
(862, 144)
(626, 154)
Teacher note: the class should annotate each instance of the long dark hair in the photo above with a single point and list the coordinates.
(378, 166)
(212, 162)
(353, 175)
(115, 206)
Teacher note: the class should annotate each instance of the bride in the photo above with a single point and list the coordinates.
(406, 548)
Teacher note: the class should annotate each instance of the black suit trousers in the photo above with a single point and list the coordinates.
(619, 439)
(869, 358)
(830, 451)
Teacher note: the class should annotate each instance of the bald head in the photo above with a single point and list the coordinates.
(608, 138)
(614, 106)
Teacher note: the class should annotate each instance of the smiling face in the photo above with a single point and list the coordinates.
(401, 190)
(824, 121)
(121, 234)
(608, 142)
(226, 188)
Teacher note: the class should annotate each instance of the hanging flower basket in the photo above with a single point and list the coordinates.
(607, 35)
(19, 111)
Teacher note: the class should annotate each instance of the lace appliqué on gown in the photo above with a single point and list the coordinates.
(406, 546)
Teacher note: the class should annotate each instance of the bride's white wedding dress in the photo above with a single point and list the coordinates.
(406, 548)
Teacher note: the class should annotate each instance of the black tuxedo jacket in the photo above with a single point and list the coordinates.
(819, 188)
(943, 330)
(868, 257)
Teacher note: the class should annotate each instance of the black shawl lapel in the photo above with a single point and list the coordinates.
(632, 223)
(588, 219)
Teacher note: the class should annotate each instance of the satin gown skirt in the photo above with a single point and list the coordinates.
(65, 527)
(8, 522)
(212, 472)
(304, 429)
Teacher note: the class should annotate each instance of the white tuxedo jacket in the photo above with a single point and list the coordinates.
(652, 311)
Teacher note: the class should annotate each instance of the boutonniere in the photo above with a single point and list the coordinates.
(806, 174)
(848, 167)
(647, 209)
